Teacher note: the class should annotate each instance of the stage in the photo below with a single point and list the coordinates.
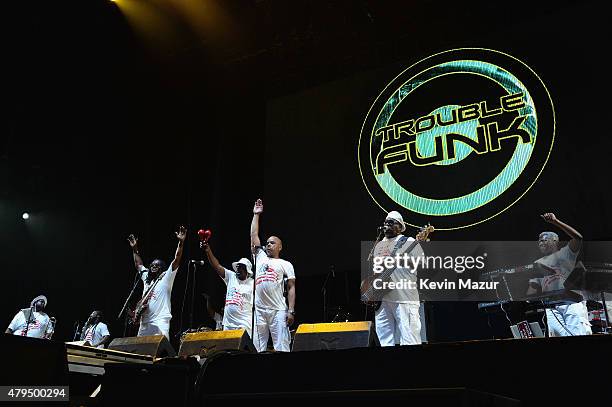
(507, 372)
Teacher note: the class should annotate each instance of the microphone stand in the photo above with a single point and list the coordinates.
(32, 307)
(253, 309)
(380, 234)
(606, 317)
(77, 334)
(324, 291)
(195, 265)
(136, 279)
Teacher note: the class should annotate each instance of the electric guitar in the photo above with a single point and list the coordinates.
(370, 296)
(142, 304)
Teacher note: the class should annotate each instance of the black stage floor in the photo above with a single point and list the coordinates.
(506, 372)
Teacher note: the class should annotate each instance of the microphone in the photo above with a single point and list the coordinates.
(381, 228)
(200, 262)
(204, 235)
(333, 270)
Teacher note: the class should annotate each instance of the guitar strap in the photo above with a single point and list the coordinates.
(400, 242)
(28, 314)
(150, 290)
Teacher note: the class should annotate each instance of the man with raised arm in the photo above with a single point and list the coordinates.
(157, 290)
(238, 311)
(272, 317)
(571, 318)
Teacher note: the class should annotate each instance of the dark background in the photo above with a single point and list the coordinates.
(138, 116)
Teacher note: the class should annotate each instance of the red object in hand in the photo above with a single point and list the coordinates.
(204, 235)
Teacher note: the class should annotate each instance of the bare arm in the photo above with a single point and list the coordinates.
(180, 235)
(134, 245)
(104, 341)
(257, 210)
(576, 241)
(291, 300)
(213, 260)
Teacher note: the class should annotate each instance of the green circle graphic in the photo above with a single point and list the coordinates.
(495, 187)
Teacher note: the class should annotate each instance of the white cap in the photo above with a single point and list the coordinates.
(247, 264)
(40, 297)
(550, 235)
(395, 215)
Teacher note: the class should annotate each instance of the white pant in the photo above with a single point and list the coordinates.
(274, 322)
(398, 323)
(157, 327)
(568, 320)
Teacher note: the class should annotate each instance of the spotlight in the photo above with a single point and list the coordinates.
(25, 215)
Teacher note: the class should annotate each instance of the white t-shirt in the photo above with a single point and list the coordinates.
(238, 302)
(95, 333)
(562, 262)
(39, 324)
(160, 301)
(269, 281)
(386, 248)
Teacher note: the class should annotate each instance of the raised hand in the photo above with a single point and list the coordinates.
(181, 234)
(258, 208)
(549, 217)
(133, 240)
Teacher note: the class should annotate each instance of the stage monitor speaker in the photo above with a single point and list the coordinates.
(154, 345)
(201, 343)
(336, 335)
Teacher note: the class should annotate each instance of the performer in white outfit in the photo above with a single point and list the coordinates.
(238, 310)
(156, 317)
(398, 320)
(571, 318)
(95, 332)
(272, 317)
(32, 322)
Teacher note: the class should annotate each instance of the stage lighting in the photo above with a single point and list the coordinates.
(25, 215)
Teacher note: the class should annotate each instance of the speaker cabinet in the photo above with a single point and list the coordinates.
(154, 345)
(202, 343)
(337, 335)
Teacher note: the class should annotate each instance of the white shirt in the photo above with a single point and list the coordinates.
(238, 301)
(159, 303)
(386, 248)
(269, 281)
(95, 333)
(38, 327)
(562, 262)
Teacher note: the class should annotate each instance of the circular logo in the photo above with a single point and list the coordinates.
(457, 138)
